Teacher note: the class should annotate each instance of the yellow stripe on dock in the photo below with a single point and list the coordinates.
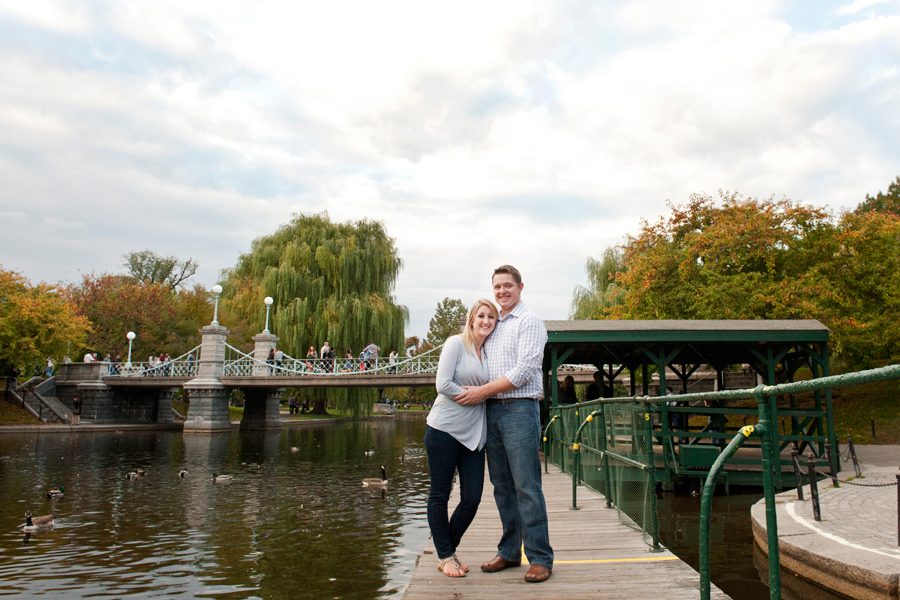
(596, 556)
(604, 561)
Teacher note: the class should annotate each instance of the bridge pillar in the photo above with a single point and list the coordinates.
(207, 407)
(207, 397)
(263, 342)
(261, 409)
(96, 402)
(164, 412)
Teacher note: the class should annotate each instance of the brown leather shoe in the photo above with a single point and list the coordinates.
(538, 573)
(498, 563)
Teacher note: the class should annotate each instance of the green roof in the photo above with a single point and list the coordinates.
(704, 341)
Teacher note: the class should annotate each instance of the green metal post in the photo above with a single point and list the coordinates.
(709, 487)
(653, 518)
(829, 416)
(577, 460)
(546, 438)
(604, 458)
(576, 448)
(769, 445)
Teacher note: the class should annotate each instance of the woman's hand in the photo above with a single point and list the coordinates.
(471, 395)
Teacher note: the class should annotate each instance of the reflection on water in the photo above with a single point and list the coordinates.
(737, 566)
(289, 525)
(730, 537)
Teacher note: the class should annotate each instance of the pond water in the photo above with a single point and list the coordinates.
(289, 525)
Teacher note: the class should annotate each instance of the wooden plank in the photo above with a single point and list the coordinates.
(595, 556)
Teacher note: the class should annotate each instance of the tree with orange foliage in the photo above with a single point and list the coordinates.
(164, 320)
(37, 322)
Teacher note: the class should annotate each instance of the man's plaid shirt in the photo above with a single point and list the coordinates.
(516, 350)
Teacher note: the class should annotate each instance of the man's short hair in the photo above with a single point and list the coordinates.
(509, 270)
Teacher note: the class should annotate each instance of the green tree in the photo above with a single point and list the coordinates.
(602, 292)
(883, 202)
(149, 267)
(857, 289)
(740, 258)
(36, 322)
(164, 321)
(330, 281)
(447, 320)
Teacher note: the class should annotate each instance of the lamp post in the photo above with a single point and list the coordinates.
(130, 335)
(217, 290)
(268, 300)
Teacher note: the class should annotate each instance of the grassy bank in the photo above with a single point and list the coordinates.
(13, 415)
(857, 408)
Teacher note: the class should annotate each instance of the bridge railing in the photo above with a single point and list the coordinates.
(608, 445)
(241, 364)
(181, 366)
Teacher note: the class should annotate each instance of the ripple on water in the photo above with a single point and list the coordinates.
(164, 536)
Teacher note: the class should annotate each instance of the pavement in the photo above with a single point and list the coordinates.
(855, 549)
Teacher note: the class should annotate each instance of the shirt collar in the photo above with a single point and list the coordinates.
(516, 312)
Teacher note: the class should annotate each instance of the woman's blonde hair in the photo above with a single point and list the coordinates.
(467, 337)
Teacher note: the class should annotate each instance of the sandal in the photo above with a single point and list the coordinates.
(455, 569)
(462, 565)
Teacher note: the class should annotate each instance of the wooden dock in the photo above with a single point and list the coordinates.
(595, 557)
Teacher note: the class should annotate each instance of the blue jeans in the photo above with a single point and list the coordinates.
(446, 456)
(513, 440)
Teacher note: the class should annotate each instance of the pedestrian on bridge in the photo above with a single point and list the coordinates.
(455, 436)
(370, 355)
(270, 360)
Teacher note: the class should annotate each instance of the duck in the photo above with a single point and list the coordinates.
(370, 452)
(141, 472)
(37, 523)
(131, 475)
(375, 482)
(295, 449)
(221, 478)
(57, 492)
(182, 473)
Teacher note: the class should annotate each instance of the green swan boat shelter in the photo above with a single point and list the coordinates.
(652, 358)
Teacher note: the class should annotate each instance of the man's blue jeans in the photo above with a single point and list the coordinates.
(446, 456)
(514, 433)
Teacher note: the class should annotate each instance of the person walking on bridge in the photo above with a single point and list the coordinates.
(455, 436)
(370, 355)
(514, 355)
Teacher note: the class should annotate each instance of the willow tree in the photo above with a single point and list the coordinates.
(602, 293)
(330, 282)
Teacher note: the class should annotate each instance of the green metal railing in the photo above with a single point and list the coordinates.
(615, 435)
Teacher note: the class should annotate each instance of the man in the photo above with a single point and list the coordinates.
(598, 388)
(514, 356)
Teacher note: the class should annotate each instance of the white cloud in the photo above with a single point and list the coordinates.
(55, 15)
(536, 133)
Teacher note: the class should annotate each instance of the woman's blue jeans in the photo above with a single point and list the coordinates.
(446, 456)
(513, 440)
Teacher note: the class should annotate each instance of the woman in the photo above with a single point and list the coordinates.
(455, 437)
(567, 391)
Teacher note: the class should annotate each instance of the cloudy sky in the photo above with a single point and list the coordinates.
(528, 132)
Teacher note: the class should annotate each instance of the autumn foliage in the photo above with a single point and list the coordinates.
(37, 322)
(734, 257)
(163, 319)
